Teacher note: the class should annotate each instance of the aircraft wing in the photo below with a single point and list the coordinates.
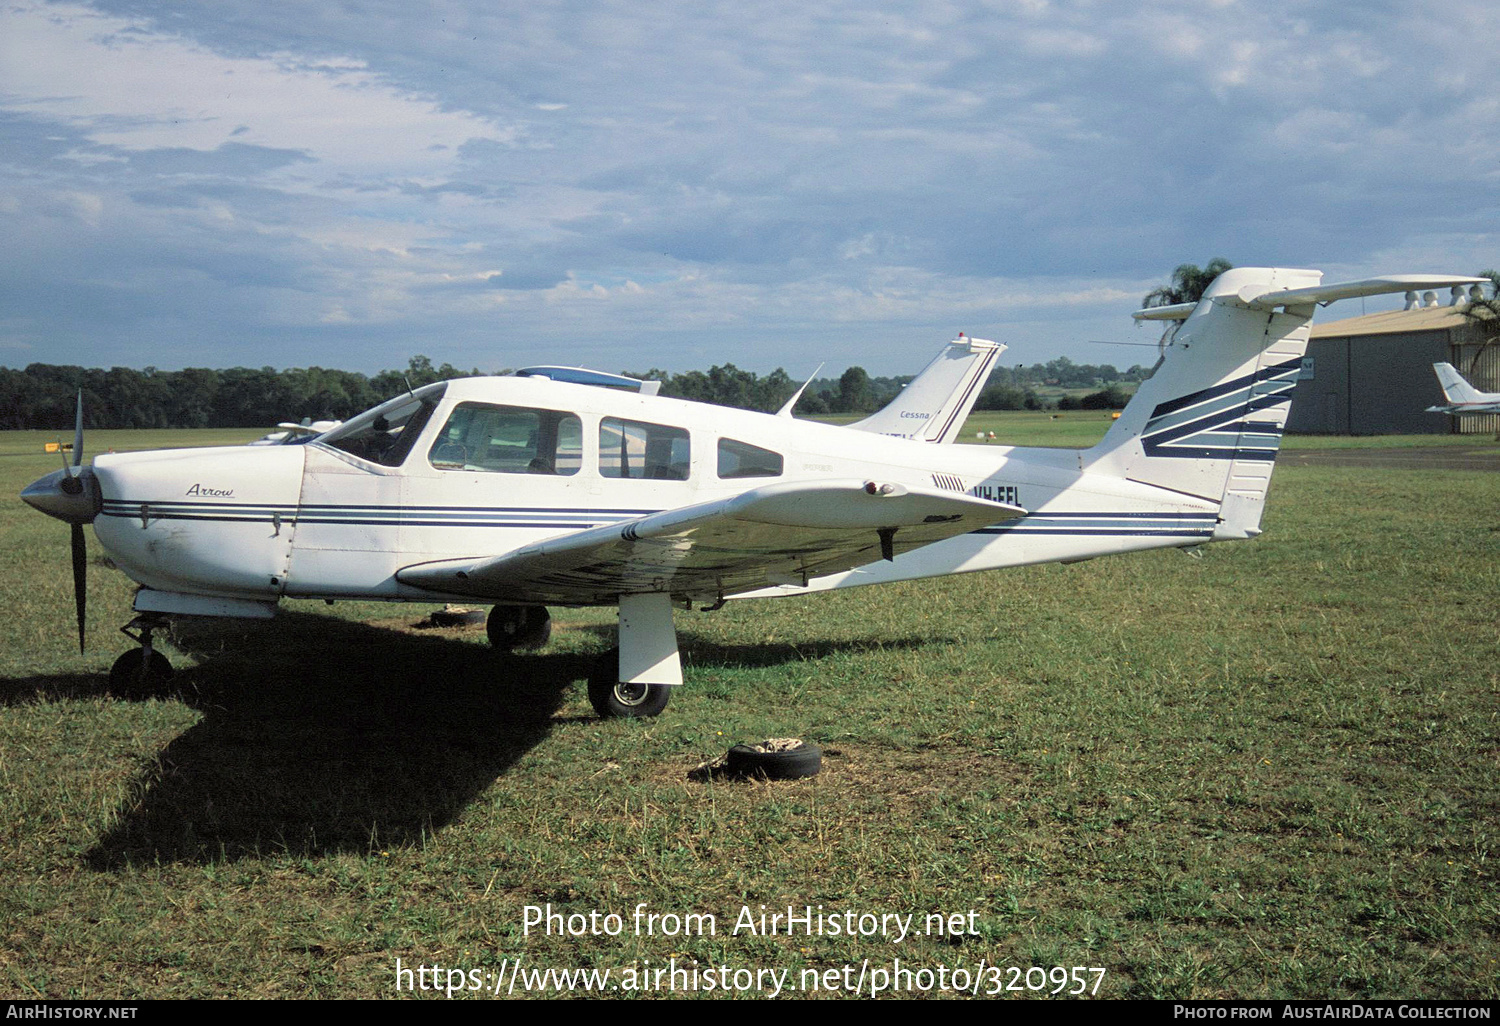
(784, 533)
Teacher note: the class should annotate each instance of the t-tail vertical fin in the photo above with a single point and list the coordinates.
(1208, 422)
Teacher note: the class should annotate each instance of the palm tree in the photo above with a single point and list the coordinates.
(1484, 315)
(1486, 309)
(1189, 282)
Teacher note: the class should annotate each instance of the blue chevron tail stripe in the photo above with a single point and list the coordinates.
(1219, 423)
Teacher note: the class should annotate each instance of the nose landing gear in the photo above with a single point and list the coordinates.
(143, 672)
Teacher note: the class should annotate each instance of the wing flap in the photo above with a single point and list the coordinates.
(775, 534)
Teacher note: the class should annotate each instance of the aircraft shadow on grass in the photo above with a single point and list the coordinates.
(702, 654)
(321, 736)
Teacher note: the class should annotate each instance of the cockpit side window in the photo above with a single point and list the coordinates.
(509, 440)
(386, 434)
(636, 449)
(741, 459)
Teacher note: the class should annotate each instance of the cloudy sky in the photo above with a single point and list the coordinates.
(634, 184)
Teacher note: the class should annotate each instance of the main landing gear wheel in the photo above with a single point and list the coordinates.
(613, 698)
(518, 627)
(136, 677)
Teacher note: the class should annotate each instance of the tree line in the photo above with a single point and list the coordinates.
(42, 396)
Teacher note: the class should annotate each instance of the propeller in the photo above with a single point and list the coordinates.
(71, 495)
(74, 486)
(80, 579)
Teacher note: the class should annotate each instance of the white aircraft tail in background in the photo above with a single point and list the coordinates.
(287, 433)
(1462, 397)
(933, 405)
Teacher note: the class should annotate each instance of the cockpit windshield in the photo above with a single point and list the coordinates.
(386, 434)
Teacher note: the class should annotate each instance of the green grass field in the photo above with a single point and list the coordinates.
(1271, 771)
(1076, 429)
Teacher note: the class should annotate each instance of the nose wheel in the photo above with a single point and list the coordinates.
(142, 672)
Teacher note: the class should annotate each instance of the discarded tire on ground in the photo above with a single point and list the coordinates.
(784, 758)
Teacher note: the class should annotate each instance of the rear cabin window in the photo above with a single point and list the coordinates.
(509, 440)
(635, 449)
(741, 459)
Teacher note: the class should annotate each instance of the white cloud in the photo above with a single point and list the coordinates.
(835, 178)
(1063, 42)
(128, 87)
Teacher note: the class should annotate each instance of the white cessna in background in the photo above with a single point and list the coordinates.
(528, 492)
(1462, 397)
(287, 433)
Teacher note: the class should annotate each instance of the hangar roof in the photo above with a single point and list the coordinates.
(1428, 318)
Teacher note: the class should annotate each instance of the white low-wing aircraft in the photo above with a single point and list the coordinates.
(527, 491)
(1462, 397)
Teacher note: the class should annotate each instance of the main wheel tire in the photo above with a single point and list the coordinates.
(613, 698)
(787, 764)
(133, 677)
(511, 627)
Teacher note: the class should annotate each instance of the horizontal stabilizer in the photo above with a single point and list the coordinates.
(1175, 312)
(1257, 297)
(1322, 295)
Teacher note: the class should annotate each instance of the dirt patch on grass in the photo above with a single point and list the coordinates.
(913, 780)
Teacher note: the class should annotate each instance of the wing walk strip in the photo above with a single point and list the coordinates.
(1101, 523)
(1215, 423)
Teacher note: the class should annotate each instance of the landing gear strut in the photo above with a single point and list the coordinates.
(637, 678)
(142, 672)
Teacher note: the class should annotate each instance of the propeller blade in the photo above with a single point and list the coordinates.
(78, 431)
(80, 577)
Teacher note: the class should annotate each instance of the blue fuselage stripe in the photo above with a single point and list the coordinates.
(1076, 523)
